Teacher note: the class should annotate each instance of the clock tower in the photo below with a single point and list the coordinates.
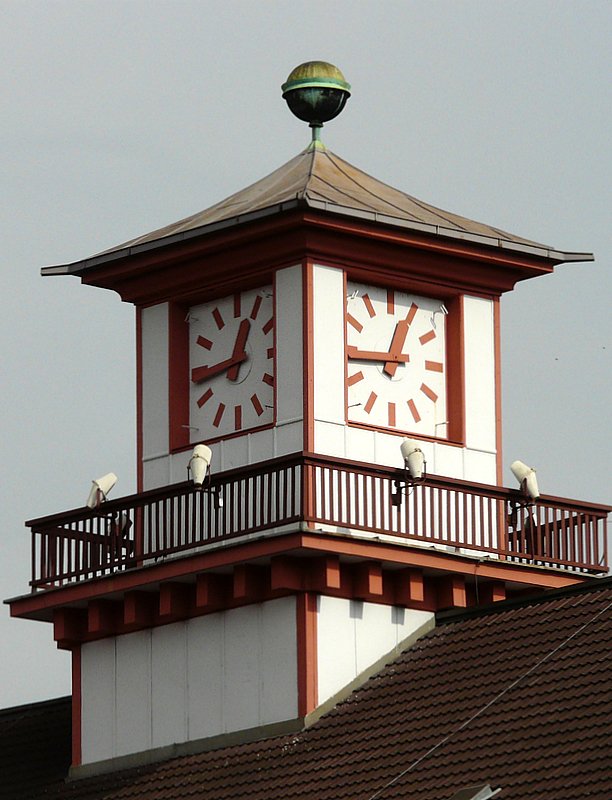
(301, 329)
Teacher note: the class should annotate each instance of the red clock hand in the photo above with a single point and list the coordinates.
(397, 343)
(238, 352)
(199, 374)
(374, 355)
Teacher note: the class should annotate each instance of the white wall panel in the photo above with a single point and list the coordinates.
(156, 473)
(289, 438)
(335, 645)
(168, 685)
(479, 347)
(278, 660)
(98, 700)
(289, 344)
(241, 695)
(447, 461)
(361, 445)
(205, 661)
(480, 467)
(133, 693)
(352, 635)
(330, 439)
(328, 344)
(155, 379)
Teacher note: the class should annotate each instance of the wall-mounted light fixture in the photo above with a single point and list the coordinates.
(526, 476)
(198, 470)
(415, 469)
(100, 489)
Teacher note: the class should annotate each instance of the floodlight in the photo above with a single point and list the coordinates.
(100, 489)
(199, 464)
(526, 476)
(414, 459)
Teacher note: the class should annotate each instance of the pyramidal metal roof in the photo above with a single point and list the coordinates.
(318, 179)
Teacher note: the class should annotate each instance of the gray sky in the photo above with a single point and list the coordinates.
(120, 117)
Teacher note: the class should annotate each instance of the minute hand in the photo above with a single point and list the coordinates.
(373, 355)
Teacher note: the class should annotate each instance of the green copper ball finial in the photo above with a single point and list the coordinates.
(316, 92)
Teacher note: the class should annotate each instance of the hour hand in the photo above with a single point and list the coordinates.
(199, 374)
(374, 355)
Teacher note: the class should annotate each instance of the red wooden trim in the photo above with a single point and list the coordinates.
(102, 617)
(308, 346)
(254, 250)
(307, 670)
(77, 706)
(367, 580)
(455, 378)
(139, 419)
(249, 583)
(498, 389)
(212, 591)
(286, 572)
(138, 609)
(324, 574)
(451, 592)
(491, 592)
(409, 586)
(175, 601)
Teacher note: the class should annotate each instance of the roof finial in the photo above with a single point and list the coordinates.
(316, 92)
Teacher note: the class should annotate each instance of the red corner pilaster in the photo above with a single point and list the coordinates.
(307, 674)
(76, 706)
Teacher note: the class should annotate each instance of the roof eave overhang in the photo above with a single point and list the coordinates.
(549, 254)
(219, 258)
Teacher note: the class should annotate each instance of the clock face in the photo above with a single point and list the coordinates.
(231, 357)
(396, 360)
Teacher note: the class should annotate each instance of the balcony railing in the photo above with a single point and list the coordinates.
(327, 493)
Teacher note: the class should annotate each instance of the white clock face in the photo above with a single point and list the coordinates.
(231, 357)
(396, 360)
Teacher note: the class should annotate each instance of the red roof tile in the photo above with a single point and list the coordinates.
(519, 697)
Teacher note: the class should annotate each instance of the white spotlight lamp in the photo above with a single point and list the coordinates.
(414, 466)
(414, 459)
(526, 476)
(100, 489)
(199, 464)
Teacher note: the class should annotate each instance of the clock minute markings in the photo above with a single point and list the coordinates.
(256, 307)
(391, 414)
(204, 342)
(427, 337)
(414, 411)
(429, 392)
(370, 402)
(369, 306)
(238, 417)
(434, 366)
(354, 323)
(256, 403)
(219, 415)
(219, 321)
(205, 397)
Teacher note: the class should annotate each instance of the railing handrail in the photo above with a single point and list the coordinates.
(140, 499)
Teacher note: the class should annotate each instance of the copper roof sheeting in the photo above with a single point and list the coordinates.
(319, 179)
(519, 697)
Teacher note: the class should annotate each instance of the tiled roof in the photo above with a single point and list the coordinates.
(34, 747)
(519, 697)
(319, 179)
